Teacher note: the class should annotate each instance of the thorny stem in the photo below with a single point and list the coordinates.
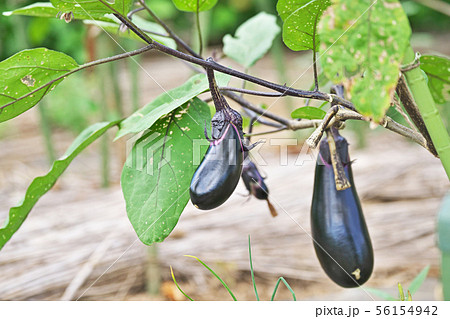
(252, 92)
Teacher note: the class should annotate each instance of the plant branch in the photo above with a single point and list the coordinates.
(199, 30)
(169, 31)
(251, 92)
(317, 95)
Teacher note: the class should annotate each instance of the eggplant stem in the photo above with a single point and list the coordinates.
(340, 178)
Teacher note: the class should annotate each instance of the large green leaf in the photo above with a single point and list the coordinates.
(308, 112)
(47, 10)
(192, 5)
(157, 174)
(362, 46)
(167, 102)
(438, 72)
(300, 20)
(27, 76)
(94, 9)
(252, 40)
(113, 27)
(42, 184)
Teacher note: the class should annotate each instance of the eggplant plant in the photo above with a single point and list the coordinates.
(363, 45)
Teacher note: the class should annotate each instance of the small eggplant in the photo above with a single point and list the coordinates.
(255, 184)
(218, 174)
(339, 231)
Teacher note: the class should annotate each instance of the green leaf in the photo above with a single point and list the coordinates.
(300, 20)
(113, 28)
(158, 171)
(438, 72)
(38, 9)
(167, 102)
(42, 184)
(27, 76)
(192, 5)
(380, 293)
(281, 279)
(252, 39)
(362, 46)
(308, 112)
(93, 9)
(418, 280)
(47, 10)
(215, 275)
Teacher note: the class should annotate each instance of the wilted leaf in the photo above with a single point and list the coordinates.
(438, 72)
(158, 171)
(252, 39)
(300, 20)
(42, 184)
(362, 46)
(27, 76)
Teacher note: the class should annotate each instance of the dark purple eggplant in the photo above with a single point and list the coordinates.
(255, 184)
(341, 239)
(218, 174)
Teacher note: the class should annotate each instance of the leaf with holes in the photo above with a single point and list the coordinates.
(362, 46)
(438, 72)
(47, 10)
(113, 28)
(252, 40)
(192, 5)
(300, 20)
(42, 184)
(93, 9)
(157, 173)
(27, 76)
(167, 102)
(308, 112)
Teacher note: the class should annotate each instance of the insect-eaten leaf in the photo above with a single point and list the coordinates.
(308, 112)
(438, 72)
(94, 10)
(42, 184)
(157, 173)
(27, 76)
(252, 39)
(362, 46)
(167, 102)
(300, 20)
(192, 5)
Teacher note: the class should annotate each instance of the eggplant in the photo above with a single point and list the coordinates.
(218, 174)
(255, 184)
(341, 239)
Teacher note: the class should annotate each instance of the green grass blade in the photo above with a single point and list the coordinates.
(217, 276)
(381, 294)
(418, 280)
(251, 268)
(281, 279)
(176, 284)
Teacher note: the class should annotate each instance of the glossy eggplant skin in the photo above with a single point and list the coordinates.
(341, 239)
(218, 174)
(253, 180)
